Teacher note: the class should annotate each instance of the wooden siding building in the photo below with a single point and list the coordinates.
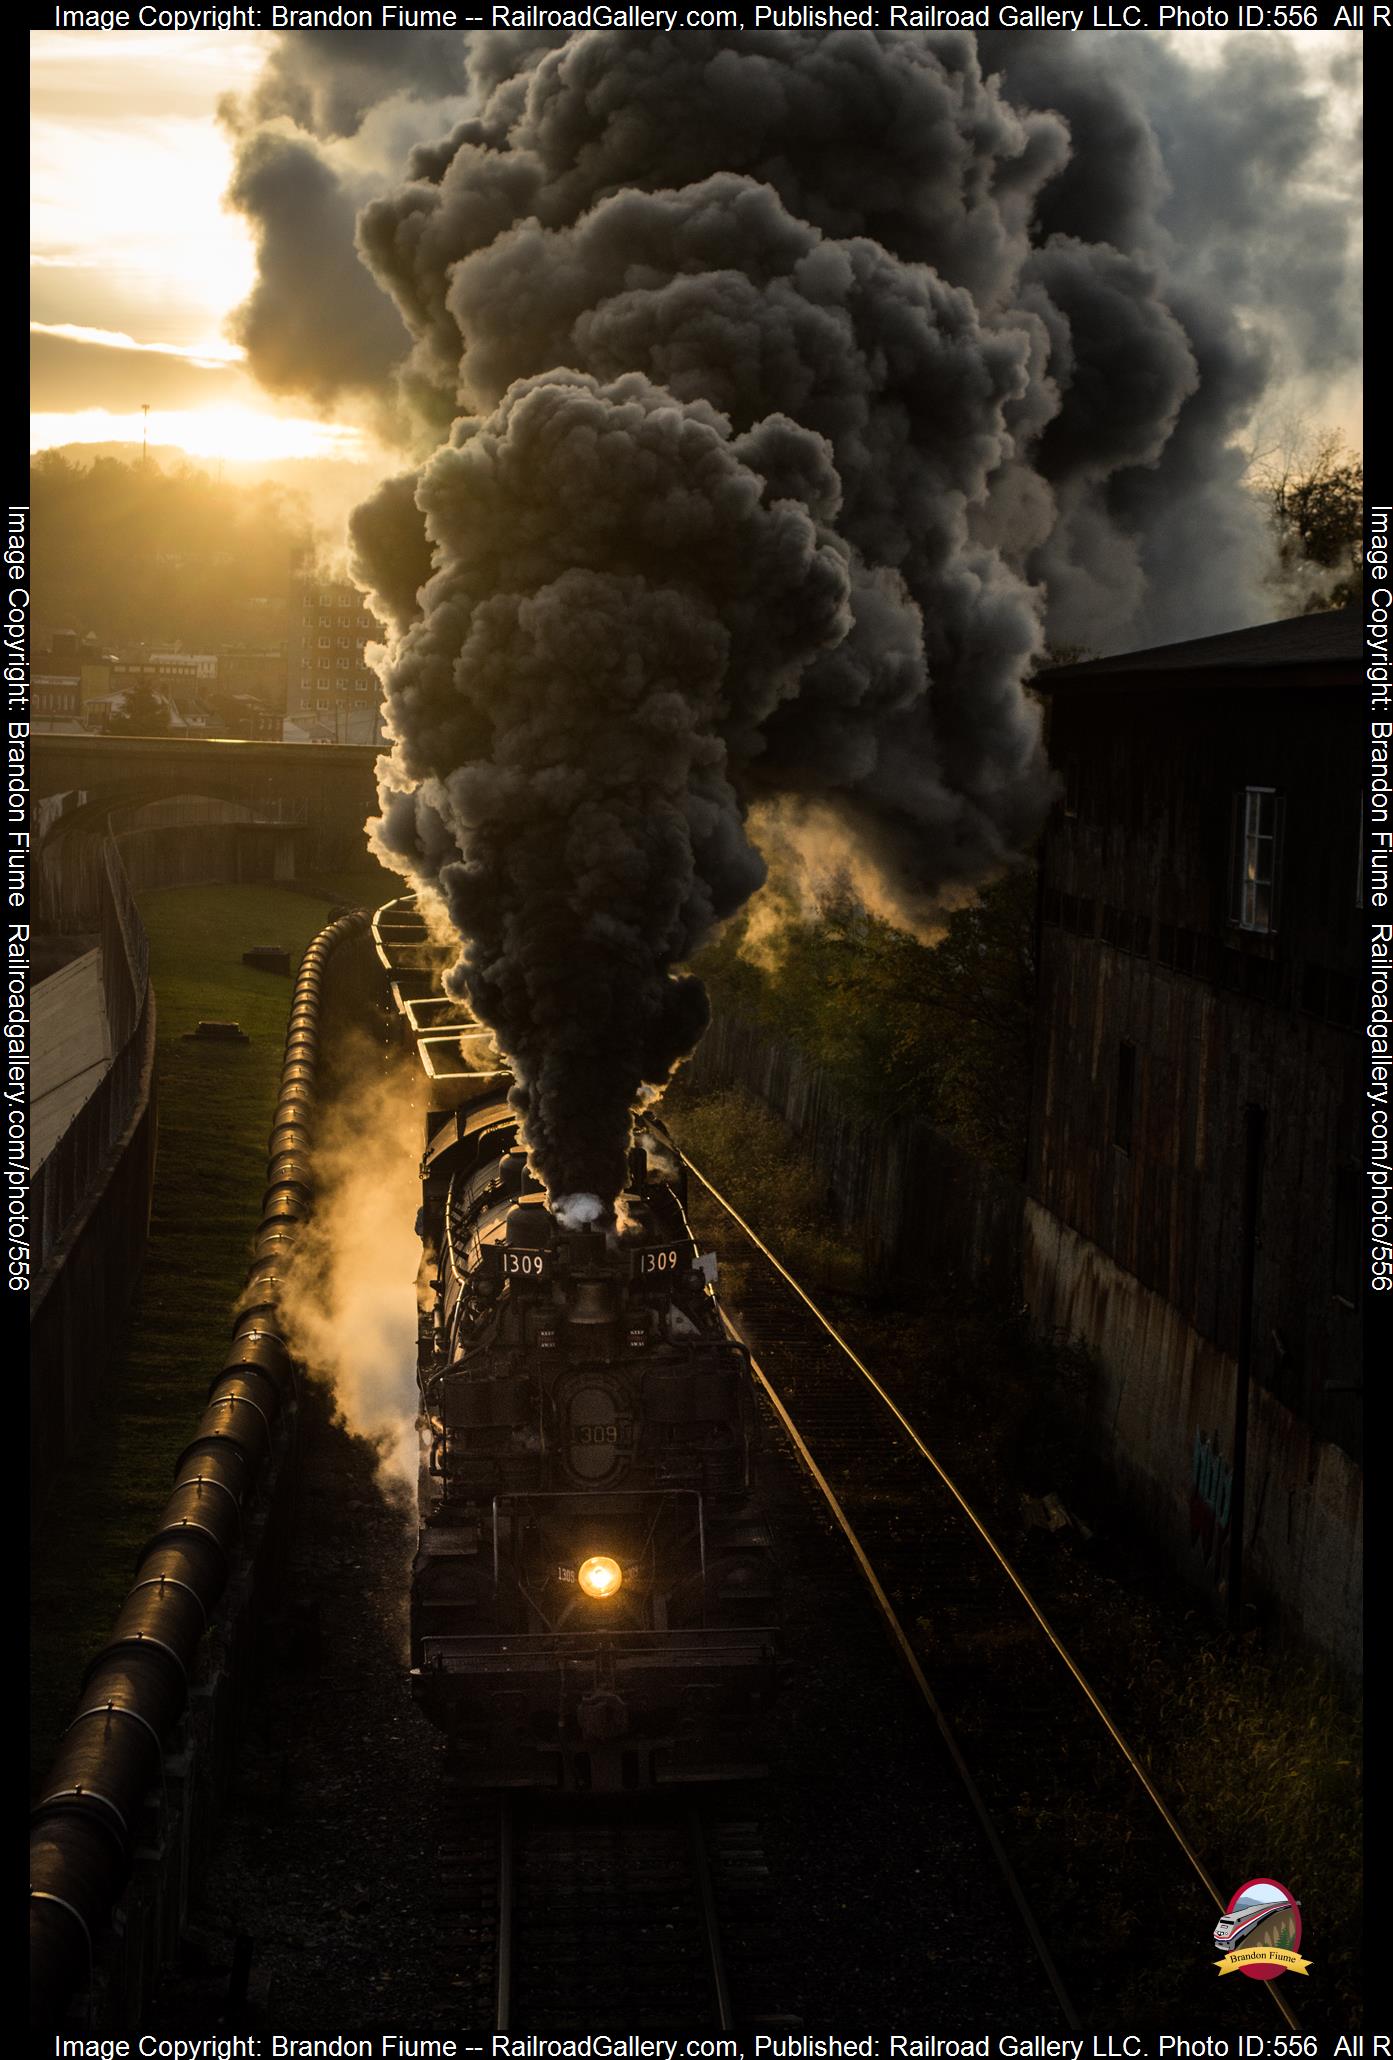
(1195, 1191)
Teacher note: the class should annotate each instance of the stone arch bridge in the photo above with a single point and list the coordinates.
(326, 788)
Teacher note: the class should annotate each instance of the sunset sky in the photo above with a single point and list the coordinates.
(137, 264)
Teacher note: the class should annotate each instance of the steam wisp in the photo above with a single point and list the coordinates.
(349, 1298)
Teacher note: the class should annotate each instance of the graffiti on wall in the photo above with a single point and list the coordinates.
(1211, 1498)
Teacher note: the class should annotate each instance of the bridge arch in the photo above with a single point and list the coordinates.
(327, 788)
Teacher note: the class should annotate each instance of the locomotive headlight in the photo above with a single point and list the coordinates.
(600, 1576)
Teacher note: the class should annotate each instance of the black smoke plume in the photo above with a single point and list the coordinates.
(789, 389)
(314, 323)
(620, 581)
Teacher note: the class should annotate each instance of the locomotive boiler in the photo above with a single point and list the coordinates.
(592, 1601)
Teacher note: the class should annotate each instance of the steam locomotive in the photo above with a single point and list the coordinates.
(593, 1597)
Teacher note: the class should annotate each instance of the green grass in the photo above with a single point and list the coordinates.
(215, 1107)
(365, 886)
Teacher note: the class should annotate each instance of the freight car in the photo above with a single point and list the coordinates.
(593, 1598)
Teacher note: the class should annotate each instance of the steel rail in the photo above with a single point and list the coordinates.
(503, 2004)
(920, 1679)
(706, 1893)
(1062, 1652)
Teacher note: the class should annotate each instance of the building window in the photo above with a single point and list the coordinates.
(1258, 815)
(1126, 1096)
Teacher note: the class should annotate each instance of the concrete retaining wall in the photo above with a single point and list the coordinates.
(90, 1199)
(208, 854)
(83, 1291)
(1165, 1421)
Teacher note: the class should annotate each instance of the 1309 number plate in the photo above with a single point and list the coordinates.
(523, 1265)
(657, 1259)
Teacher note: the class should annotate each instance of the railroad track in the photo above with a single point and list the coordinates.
(600, 1912)
(1046, 1768)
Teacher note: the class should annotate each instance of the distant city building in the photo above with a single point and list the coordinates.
(238, 691)
(96, 681)
(178, 677)
(56, 683)
(332, 694)
(238, 715)
(260, 673)
(57, 697)
(181, 668)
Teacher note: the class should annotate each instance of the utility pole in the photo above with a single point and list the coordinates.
(145, 436)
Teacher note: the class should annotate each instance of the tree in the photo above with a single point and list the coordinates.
(942, 1032)
(140, 554)
(1314, 491)
(142, 714)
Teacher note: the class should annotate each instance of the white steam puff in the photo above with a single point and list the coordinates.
(788, 389)
(349, 1299)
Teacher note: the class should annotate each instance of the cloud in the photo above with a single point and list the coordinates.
(68, 371)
